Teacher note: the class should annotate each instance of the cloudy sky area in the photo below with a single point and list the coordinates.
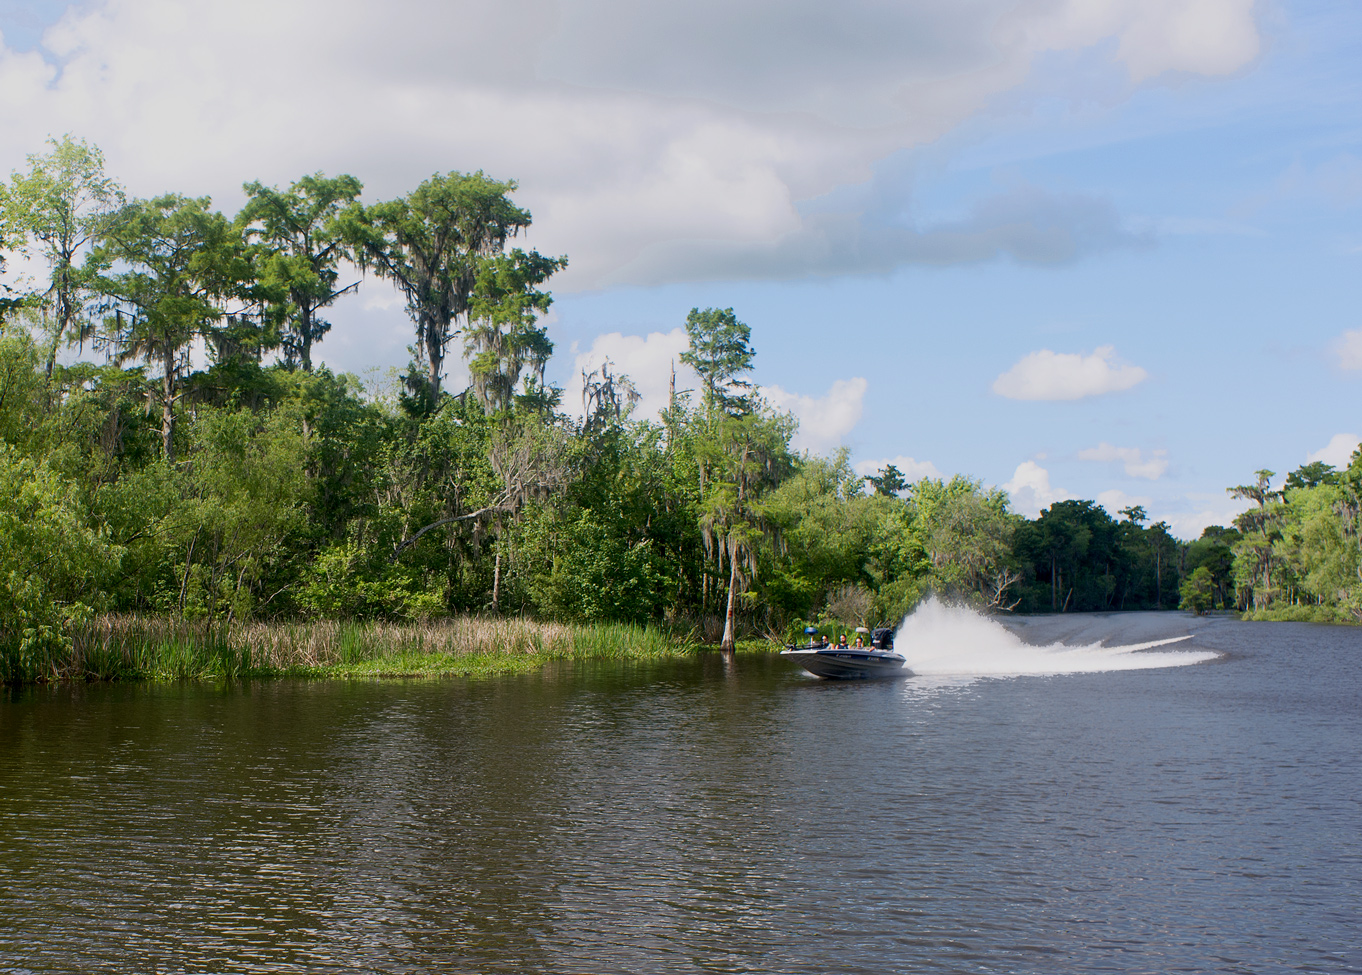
(1079, 248)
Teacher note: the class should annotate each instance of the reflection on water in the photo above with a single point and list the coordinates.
(690, 817)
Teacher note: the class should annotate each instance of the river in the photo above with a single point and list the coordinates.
(1015, 810)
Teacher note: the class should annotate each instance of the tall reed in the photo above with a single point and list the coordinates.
(126, 647)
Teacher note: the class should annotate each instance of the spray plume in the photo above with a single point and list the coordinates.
(952, 641)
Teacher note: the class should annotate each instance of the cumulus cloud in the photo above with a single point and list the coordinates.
(1202, 511)
(911, 468)
(1031, 490)
(1047, 375)
(1348, 348)
(1134, 461)
(1338, 451)
(699, 129)
(824, 421)
(647, 361)
(1114, 500)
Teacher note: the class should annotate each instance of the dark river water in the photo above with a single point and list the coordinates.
(696, 817)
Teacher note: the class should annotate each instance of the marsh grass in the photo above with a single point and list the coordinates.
(161, 648)
(1304, 614)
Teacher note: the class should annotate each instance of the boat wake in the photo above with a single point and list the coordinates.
(955, 642)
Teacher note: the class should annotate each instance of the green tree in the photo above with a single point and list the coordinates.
(434, 244)
(1310, 475)
(1348, 507)
(504, 336)
(1077, 558)
(745, 456)
(966, 532)
(1198, 592)
(889, 482)
(57, 208)
(1214, 551)
(55, 563)
(185, 261)
(1254, 558)
(828, 529)
(300, 233)
(241, 509)
(720, 351)
(1163, 549)
(20, 404)
(1318, 559)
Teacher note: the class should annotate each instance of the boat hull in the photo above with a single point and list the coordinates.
(835, 663)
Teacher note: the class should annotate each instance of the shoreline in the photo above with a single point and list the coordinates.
(159, 649)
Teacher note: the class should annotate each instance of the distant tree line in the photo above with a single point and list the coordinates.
(1295, 554)
(207, 468)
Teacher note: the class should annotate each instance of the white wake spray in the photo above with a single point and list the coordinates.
(950, 641)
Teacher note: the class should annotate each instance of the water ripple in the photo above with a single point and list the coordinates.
(691, 817)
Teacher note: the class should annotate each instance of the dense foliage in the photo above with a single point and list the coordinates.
(238, 482)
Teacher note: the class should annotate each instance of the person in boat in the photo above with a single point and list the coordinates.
(860, 642)
(842, 642)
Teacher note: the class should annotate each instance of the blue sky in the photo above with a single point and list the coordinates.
(1103, 249)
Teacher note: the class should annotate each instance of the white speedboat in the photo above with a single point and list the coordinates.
(837, 663)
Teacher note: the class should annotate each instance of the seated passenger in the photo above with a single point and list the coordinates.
(842, 642)
(860, 642)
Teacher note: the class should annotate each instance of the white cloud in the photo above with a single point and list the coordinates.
(699, 129)
(1132, 459)
(1047, 375)
(379, 295)
(1023, 223)
(1114, 500)
(1348, 348)
(1207, 37)
(1338, 451)
(1205, 511)
(824, 421)
(912, 470)
(1031, 490)
(646, 360)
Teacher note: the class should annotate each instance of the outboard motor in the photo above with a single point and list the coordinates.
(882, 639)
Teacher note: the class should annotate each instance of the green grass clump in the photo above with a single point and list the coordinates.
(162, 648)
(1302, 614)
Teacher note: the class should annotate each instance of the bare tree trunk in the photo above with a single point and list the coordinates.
(168, 410)
(435, 356)
(52, 356)
(64, 315)
(496, 584)
(1158, 577)
(729, 643)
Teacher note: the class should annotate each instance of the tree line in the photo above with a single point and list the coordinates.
(204, 466)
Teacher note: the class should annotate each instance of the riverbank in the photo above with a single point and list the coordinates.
(1302, 614)
(158, 648)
